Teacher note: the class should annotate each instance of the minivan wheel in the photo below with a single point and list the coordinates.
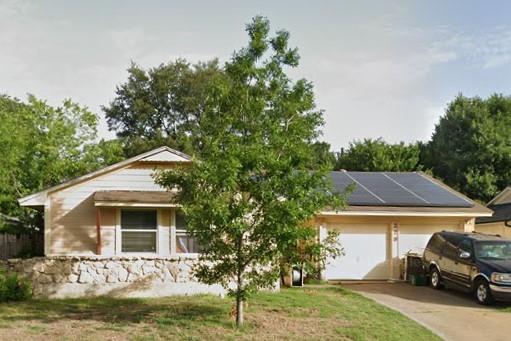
(435, 279)
(483, 293)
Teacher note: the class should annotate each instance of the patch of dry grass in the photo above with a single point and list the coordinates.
(320, 312)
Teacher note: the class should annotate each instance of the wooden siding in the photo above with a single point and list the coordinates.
(73, 215)
(494, 228)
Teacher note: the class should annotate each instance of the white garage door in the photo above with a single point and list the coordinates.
(365, 248)
(415, 237)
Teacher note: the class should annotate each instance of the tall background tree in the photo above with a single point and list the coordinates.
(256, 179)
(161, 105)
(377, 155)
(41, 146)
(471, 146)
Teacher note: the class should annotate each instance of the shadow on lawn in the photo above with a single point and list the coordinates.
(113, 310)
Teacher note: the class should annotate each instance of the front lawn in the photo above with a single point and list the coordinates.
(319, 312)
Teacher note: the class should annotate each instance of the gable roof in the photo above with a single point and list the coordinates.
(161, 154)
(503, 197)
(501, 213)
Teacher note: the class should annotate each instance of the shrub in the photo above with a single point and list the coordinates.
(14, 288)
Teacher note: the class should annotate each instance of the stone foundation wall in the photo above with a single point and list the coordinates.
(62, 277)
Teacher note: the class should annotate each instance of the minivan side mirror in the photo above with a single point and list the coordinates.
(464, 255)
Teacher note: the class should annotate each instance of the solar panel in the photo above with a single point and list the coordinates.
(359, 195)
(431, 191)
(387, 189)
(396, 189)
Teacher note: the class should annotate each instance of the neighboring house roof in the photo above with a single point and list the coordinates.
(162, 154)
(402, 194)
(503, 197)
(501, 213)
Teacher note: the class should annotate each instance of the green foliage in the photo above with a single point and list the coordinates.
(377, 155)
(313, 256)
(41, 146)
(471, 146)
(255, 179)
(14, 288)
(161, 105)
(323, 154)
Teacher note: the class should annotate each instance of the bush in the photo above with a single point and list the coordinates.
(14, 288)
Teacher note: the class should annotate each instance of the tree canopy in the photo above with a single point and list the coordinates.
(161, 105)
(471, 146)
(255, 180)
(41, 146)
(377, 155)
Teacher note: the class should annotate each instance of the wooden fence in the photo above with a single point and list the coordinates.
(15, 245)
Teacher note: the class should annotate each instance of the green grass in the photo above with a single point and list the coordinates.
(315, 312)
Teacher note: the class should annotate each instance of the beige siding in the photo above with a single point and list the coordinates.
(494, 228)
(504, 198)
(73, 215)
(108, 222)
(164, 235)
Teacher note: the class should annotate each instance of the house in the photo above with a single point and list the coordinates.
(115, 231)
(500, 221)
(388, 215)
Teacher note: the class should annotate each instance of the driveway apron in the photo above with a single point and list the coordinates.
(451, 315)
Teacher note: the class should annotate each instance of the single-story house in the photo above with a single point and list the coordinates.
(109, 230)
(500, 222)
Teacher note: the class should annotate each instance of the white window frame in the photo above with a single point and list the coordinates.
(173, 237)
(119, 231)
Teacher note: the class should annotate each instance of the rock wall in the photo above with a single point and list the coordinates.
(62, 277)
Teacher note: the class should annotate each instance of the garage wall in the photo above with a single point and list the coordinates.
(375, 246)
(494, 228)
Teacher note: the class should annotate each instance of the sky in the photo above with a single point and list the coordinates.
(380, 68)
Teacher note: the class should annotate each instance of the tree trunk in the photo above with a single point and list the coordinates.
(239, 311)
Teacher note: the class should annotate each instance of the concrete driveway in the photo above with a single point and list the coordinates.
(451, 315)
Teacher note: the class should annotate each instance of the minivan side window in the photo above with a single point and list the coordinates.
(451, 247)
(435, 244)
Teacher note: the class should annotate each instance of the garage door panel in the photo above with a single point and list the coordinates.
(415, 237)
(365, 253)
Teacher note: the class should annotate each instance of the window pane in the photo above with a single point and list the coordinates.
(138, 219)
(180, 220)
(186, 244)
(138, 241)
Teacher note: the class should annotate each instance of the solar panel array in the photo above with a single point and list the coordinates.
(396, 189)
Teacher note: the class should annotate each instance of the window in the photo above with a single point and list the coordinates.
(466, 245)
(184, 242)
(138, 230)
(493, 250)
(436, 243)
(451, 249)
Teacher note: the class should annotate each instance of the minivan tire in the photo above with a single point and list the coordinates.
(435, 279)
(482, 292)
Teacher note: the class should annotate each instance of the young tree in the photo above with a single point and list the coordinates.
(377, 155)
(471, 146)
(254, 181)
(161, 105)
